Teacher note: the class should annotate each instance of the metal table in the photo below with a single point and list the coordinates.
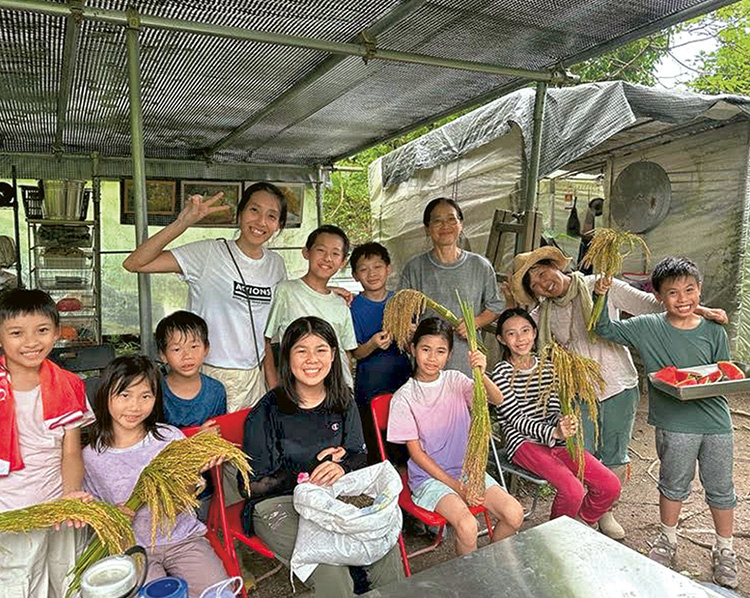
(558, 559)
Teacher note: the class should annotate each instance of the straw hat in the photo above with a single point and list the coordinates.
(523, 262)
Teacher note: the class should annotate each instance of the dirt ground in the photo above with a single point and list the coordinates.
(637, 511)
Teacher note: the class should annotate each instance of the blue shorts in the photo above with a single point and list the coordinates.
(428, 493)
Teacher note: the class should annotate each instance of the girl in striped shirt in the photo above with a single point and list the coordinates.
(535, 435)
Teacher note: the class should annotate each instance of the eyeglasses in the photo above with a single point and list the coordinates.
(438, 222)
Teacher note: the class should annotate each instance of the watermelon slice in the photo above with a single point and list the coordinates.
(686, 374)
(687, 382)
(730, 370)
(667, 374)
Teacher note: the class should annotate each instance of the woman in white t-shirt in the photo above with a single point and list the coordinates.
(230, 283)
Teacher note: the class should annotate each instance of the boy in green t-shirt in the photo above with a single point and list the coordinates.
(325, 250)
(686, 431)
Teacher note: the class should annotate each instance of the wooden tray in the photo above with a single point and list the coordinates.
(704, 391)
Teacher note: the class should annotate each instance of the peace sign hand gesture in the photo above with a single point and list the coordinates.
(196, 209)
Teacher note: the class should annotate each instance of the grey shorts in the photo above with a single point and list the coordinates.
(679, 453)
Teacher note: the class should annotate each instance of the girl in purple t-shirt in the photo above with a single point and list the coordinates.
(430, 414)
(122, 442)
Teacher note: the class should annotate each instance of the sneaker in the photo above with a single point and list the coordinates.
(663, 551)
(725, 567)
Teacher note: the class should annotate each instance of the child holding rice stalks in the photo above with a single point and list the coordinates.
(565, 306)
(124, 440)
(42, 408)
(430, 414)
(536, 431)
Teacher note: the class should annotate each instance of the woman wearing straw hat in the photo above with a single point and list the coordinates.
(564, 305)
(446, 268)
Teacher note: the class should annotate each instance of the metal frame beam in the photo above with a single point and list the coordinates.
(663, 23)
(300, 87)
(532, 172)
(367, 51)
(139, 179)
(70, 49)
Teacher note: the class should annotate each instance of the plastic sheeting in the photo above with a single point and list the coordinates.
(576, 119)
(483, 181)
(709, 217)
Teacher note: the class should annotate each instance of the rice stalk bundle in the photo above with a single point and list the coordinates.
(406, 307)
(608, 249)
(168, 486)
(480, 429)
(112, 527)
(576, 380)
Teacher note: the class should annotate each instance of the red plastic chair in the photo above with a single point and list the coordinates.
(380, 407)
(224, 523)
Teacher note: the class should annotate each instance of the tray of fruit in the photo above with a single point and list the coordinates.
(703, 381)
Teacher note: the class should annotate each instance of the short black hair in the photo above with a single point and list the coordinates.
(330, 229)
(23, 302)
(371, 249)
(671, 268)
(268, 188)
(526, 280)
(427, 214)
(180, 322)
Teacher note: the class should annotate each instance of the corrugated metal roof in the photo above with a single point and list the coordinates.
(197, 89)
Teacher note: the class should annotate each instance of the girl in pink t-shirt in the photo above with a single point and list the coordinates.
(430, 414)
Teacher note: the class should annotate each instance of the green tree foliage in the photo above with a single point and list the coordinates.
(635, 62)
(347, 201)
(727, 68)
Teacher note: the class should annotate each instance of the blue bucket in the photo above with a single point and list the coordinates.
(165, 587)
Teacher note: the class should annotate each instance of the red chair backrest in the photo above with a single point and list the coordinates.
(232, 426)
(380, 406)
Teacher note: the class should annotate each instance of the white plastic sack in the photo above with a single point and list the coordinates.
(332, 532)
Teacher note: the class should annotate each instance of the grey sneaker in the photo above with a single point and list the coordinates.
(663, 551)
(725, 567)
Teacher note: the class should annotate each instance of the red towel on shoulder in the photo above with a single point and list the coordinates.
(63, 402)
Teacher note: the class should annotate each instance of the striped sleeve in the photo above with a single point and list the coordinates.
(522, 416)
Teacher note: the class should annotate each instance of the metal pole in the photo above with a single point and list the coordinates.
(17, 226)
(139, 180)
(70, 49)
(366, 51)
(96, 192)
(319, 194)
(532, 172)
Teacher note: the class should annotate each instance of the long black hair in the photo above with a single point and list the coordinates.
(504, 317)
(116, 377)
(338, 394)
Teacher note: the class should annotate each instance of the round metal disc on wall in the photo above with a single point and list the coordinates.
(641, 197)
(7, 194)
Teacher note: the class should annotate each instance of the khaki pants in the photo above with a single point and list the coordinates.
(35, 564)
(244, 387)
(193, 560)
(275, 522)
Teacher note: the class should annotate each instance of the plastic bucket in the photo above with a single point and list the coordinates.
(165, 587)
(113, 577)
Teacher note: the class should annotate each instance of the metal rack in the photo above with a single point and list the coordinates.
(65, 261)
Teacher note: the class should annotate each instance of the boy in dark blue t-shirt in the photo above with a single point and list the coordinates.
(189, 397)
(381, 367)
